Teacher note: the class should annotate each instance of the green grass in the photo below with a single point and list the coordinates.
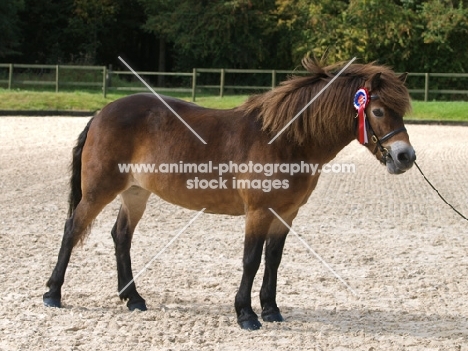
(439, 110)
(89, 101)
(34, 100)
(92, 101)
(229, 101)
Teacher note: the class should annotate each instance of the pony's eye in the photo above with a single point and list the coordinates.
(378, 112)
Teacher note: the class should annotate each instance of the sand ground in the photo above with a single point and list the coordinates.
(399, 247)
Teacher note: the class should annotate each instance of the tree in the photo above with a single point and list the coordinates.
(87, 24)
(9, 27)
(370, 30)
(211, 33)
(411, 35)
(443, 29)
(80, 32)
(43, 38)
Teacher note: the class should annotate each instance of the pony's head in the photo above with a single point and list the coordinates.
(388, 101)
(329, 122)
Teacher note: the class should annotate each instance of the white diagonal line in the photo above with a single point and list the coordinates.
(311, 101)
(313, 252)
(162, 100)
(162, 250)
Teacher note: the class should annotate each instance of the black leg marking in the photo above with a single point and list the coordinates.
(53, 297)
(246, 317)
(273, 253)
(122, 236)
(133, 205)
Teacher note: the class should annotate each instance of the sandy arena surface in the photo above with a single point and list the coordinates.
(399, 247)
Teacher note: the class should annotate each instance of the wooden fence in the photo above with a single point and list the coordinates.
(51, 76)
(61, 77)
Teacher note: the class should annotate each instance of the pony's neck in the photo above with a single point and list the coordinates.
(330, 141)
(323, 128)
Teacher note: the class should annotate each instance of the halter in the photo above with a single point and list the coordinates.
(361, 100)
(375, 139)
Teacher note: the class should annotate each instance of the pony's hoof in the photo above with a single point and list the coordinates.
(273, 317)
(253, 324)
(51, 302)
(140, 305)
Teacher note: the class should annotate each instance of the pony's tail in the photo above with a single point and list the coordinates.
(75, 181)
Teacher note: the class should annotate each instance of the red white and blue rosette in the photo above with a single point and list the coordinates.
(361, 99)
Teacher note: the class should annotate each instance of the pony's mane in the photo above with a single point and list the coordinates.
(333, 108)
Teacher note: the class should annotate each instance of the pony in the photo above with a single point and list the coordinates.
(365, 99)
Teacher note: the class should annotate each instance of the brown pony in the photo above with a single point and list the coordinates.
(140, 129)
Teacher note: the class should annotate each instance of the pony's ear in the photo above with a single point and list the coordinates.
(373, 82)
(403, 76)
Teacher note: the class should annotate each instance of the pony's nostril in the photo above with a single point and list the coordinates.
(403, 157)
(406, 157)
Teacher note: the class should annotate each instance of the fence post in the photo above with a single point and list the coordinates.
(108, 79)
(426, 86)
(221, 83)
(273, 79)
(194, 84)
(10, 76)
(56, 78)
(104, 81)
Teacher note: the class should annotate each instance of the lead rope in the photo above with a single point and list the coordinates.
(437, 191)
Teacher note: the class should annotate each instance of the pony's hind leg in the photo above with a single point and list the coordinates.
(75, 230)
(133, 205)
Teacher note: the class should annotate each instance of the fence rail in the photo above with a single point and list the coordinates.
(61, 76)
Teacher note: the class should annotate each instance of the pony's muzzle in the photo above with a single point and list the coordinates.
(401, 157)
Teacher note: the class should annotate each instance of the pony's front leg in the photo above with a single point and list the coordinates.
(253, 247)
(257, 226)
(273, 252)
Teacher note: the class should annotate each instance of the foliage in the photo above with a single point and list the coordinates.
(236, 34)
(443, 33)
(43, 25)
(419, 36)
(90, 18)
(9, 26)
